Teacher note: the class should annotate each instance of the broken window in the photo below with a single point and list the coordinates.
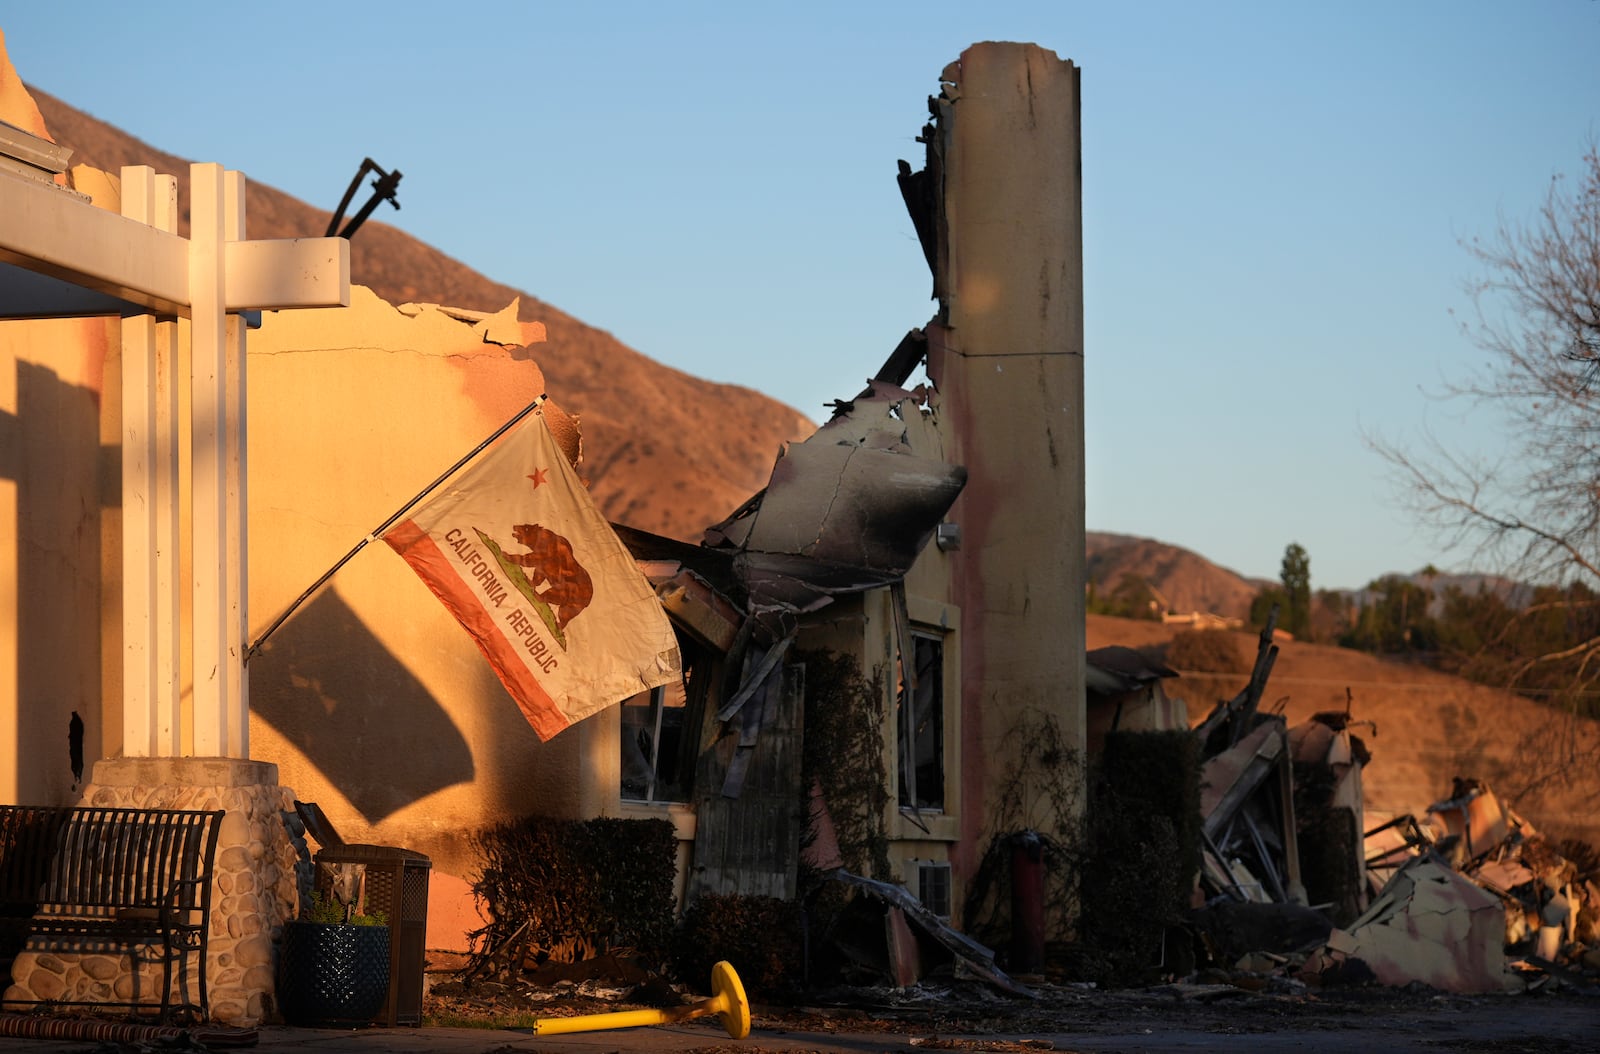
(659, 727)
(921, 725)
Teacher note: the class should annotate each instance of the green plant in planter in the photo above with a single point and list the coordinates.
(329, 912)
(333, 968)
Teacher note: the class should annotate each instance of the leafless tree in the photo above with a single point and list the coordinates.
(1537, 507)
(1533, 511)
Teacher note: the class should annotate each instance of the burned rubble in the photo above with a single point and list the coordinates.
(1295, 894)
(1469, 898)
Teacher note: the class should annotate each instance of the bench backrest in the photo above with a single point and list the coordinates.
(95, 859)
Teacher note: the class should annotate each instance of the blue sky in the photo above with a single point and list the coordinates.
(1274, 197)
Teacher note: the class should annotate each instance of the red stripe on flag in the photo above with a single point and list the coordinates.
(417, 548)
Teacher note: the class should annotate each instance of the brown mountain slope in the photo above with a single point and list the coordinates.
(1186, 581)
(664, 451)
(1430, 727)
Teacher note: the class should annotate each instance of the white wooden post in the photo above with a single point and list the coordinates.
(150, 575)
(236, 526)
(216, 700)
(168, 727)
(101, 263)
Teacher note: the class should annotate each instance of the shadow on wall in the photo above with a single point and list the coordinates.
(332, 689)
(51, 450)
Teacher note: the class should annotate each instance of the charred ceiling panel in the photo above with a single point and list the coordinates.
(846, 510)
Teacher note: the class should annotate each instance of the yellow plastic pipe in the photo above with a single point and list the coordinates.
(727, 1001)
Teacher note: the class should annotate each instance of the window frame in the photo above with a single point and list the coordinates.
(909, 740)
(905, 824)
(700, 668)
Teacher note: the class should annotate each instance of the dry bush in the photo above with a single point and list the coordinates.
(569, 890)
(1207, 651)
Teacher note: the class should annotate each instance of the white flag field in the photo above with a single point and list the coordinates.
(519, 554)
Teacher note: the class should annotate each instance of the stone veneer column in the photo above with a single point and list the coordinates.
(256, 888)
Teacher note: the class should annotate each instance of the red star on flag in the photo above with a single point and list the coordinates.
(539, 478)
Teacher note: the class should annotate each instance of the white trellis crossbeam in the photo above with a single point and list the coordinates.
(60, 255)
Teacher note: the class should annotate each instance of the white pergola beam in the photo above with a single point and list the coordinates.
(288, 272)
(138, 517)
(49, 231)
(46, 229)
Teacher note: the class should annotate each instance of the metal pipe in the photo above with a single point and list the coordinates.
(727, 1001)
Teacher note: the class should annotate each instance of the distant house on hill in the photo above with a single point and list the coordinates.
(1201, 620)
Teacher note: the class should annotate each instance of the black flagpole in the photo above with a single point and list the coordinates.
(377, 531)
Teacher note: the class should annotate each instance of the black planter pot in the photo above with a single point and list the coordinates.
(332, 976)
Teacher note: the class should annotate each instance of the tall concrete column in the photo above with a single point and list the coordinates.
(1007, 355)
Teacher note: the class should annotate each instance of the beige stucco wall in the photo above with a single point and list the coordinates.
(57, 501)
(371, 700)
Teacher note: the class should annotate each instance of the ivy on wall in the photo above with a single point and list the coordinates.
(1121, 842)
(843, 754)
(1042, 790)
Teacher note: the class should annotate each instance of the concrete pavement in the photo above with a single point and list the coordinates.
(1515, 1023)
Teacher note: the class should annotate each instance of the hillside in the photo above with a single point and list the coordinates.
(664, 451)
(1186, 581)
(1430, 727)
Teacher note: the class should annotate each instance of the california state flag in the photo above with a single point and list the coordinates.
(522, 558)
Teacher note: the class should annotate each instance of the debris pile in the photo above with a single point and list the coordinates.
(1469, 898)
(1542, 906)
(1250, 847)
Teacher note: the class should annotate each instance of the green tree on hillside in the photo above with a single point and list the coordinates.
(1261, 607)
(1486, 639)
(1331, 614)
(1392, 618)
(1295, 574)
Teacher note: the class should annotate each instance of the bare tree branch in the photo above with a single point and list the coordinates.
(1532, 512)
(1537, 511)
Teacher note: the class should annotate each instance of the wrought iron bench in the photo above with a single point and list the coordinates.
(91, 880)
